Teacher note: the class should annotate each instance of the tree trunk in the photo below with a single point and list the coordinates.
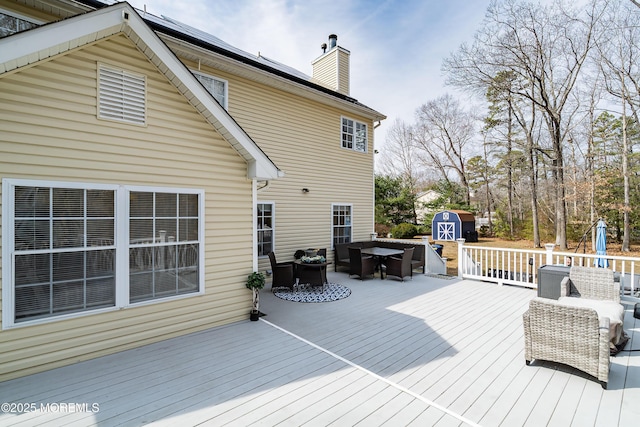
(509, 168)
(534, 192)
(625, 174)
(558, 172)
(487, 189)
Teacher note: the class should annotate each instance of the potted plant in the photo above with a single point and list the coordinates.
(255, 282)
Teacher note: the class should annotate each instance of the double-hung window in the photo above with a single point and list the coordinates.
(354, 135)
(72, 248)
(264, 228)
(216, 87)
(341, 220)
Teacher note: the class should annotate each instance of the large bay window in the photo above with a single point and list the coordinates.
(70, 248)
(63, 250)
(163, 244)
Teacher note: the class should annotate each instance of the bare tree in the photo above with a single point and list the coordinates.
(400, 158)
(443, 132)
(545, 48)
(594, 97)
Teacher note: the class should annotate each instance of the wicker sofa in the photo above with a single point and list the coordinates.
(581, 327)
(341, 252)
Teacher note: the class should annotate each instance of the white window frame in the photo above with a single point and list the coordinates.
(354, 124)
(333, 206)
(273, 226)
(145, 189)
(121, 243)
(225, 103)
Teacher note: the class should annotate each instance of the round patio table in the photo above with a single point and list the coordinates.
(314, 274)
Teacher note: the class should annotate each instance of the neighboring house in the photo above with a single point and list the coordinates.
(133, 204)
(422, 199)
(483, 221)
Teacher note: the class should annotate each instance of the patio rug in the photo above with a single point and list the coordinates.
(305, 293)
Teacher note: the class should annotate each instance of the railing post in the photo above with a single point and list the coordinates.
(549, 248)
(373, 235)
(461, 260)
(427, 254)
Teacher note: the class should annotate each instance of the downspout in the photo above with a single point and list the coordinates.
(255, 191)
(254, 216)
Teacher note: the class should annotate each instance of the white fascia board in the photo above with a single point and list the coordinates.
(40, 43)
(48, 40)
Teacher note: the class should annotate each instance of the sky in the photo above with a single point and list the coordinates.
(397, 46)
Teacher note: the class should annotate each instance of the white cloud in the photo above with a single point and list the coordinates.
(396, 46)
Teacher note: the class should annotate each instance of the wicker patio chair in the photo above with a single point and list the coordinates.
(591, 283)
(400, 267)
(574, 336)
(595, 288)
(283, 273)
(360, 265)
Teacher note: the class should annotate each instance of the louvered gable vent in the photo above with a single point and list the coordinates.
(121, 95)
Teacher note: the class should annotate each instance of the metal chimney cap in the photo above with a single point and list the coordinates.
(333, 40)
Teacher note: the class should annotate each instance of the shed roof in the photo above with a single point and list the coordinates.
(464, 215)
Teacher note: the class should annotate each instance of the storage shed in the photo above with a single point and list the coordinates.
(453, 224)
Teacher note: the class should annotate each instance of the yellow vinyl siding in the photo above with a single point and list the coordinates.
(324, 70)
(332, 71)
(303, 138)
(343, 72)
(50, 132)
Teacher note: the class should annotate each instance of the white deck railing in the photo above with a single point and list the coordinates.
(520, 266)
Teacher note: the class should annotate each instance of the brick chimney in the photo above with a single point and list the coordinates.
(331, 69)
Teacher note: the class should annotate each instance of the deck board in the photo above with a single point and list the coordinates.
(456, 343)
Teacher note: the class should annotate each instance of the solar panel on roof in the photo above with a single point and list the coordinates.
(181, 27)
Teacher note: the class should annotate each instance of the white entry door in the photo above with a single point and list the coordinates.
(446, 231)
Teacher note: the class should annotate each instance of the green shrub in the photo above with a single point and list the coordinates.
(404, 231)
(424, 230)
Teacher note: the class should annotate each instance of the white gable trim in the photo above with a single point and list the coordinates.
(26, 48)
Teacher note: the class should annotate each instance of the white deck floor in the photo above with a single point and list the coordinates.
(424, 352)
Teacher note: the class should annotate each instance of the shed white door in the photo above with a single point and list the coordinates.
(446, 231)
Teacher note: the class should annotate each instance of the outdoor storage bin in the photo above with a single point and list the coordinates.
(438, 249)
(549, 279)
